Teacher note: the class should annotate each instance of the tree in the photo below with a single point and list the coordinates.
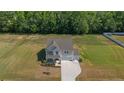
(49, 22)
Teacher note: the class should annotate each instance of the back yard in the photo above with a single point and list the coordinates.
(102, 59)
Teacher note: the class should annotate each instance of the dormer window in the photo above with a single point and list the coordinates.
(66, 51)
(53, 47)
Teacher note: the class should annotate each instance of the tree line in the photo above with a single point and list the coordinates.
(64, 22)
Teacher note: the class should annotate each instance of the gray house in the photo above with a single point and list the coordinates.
(60, 49)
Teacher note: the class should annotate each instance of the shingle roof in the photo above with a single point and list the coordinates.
(64, 44)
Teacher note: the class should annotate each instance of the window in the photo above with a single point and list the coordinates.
(66, 52)
(50, 52)
(56, 52)
(53, 47)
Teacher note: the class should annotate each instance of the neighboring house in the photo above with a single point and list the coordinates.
(60, 49)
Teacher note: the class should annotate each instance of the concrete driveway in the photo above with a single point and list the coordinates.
(70, 70)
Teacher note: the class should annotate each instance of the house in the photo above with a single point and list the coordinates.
(60, 49)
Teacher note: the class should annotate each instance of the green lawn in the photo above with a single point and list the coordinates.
(102, 59)
(100, 51)
(18, 58)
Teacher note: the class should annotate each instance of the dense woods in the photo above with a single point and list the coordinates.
(61, 22)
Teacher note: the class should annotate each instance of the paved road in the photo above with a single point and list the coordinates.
(70, 70)
(109, 36)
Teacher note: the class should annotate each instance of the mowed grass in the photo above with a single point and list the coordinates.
(100, 51)
(18, 58)
(102, 59)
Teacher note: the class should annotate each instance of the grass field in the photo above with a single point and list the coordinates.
(102, 59)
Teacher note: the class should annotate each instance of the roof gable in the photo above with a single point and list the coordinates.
(52, 45)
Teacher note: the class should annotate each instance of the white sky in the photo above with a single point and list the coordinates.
(62, 5)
